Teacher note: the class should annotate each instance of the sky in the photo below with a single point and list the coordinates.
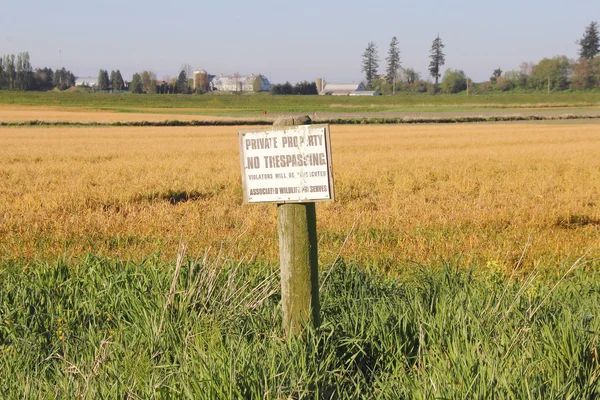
(289, 41)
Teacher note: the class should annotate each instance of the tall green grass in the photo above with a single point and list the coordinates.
(206, 329)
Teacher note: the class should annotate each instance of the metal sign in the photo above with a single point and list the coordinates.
(286, 164)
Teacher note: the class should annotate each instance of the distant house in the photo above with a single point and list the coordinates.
(342, 89)
(87, 81)
(238, 83)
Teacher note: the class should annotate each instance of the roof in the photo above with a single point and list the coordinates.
(238, 78)
(365, 93)
(342, 88)
(88, 80)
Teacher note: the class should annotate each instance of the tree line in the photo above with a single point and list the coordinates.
(16, 73)
(557, 73)
(304, 88)
(552, 74)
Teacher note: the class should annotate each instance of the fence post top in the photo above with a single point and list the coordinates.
(291, 121)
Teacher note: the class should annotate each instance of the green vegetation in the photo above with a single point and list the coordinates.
(102, 328)
(393, 62)
(370, 63)
(589, 44)
(438, 58)
(289, 104)
(454, 81)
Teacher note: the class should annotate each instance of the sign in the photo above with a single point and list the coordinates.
(286, 164)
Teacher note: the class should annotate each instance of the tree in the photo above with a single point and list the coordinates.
(305, 88)
(550, 71)
(63, 79)
(189, 73)
(370, 63)
(585, 73)
(181, 86)
(201, 82)
(9, 72)
(135, 86)
(117, 81)
(103, 81)
(410, 76)
(148, 81)
(257, 83)
(113, 76)
(285, 88)
(436, 54)
(495, 75)
(589, 44)
(44, 79)
(454, 81)
(393, 61)
(24, 72)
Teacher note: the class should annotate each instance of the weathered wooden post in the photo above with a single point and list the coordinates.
(291, 166)
(298, 257)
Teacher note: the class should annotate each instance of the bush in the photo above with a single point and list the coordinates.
(454, 81)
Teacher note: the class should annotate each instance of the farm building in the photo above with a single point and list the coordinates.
(342, 89)
(238, 83)
(365, 93)
(87, 81)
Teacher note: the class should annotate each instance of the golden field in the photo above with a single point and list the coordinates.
(414, 194)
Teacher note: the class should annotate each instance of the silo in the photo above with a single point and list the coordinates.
(319, 82)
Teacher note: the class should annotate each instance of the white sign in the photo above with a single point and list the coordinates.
(286, 164)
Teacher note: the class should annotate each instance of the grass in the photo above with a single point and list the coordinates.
(211, 328)
(242, 105)
(85, 313)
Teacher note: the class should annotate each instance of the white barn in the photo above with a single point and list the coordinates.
(238, 83)
(342, 89)
(87, 81)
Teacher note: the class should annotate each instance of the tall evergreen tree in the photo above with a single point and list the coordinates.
(370, 63)
(103, 81)
(118, 82)
(393, 61)
(436, 54)
(111, 82)
(589, 44)
(181, 86)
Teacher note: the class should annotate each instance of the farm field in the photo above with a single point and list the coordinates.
(459, 261)
(413, 194)
(85, 107)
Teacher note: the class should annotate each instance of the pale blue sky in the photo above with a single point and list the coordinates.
(289, 41)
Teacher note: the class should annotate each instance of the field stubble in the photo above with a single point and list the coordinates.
(413, 194)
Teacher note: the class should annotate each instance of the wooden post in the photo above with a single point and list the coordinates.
(299, 260)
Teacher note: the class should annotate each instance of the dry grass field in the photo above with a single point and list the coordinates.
(424, 194)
